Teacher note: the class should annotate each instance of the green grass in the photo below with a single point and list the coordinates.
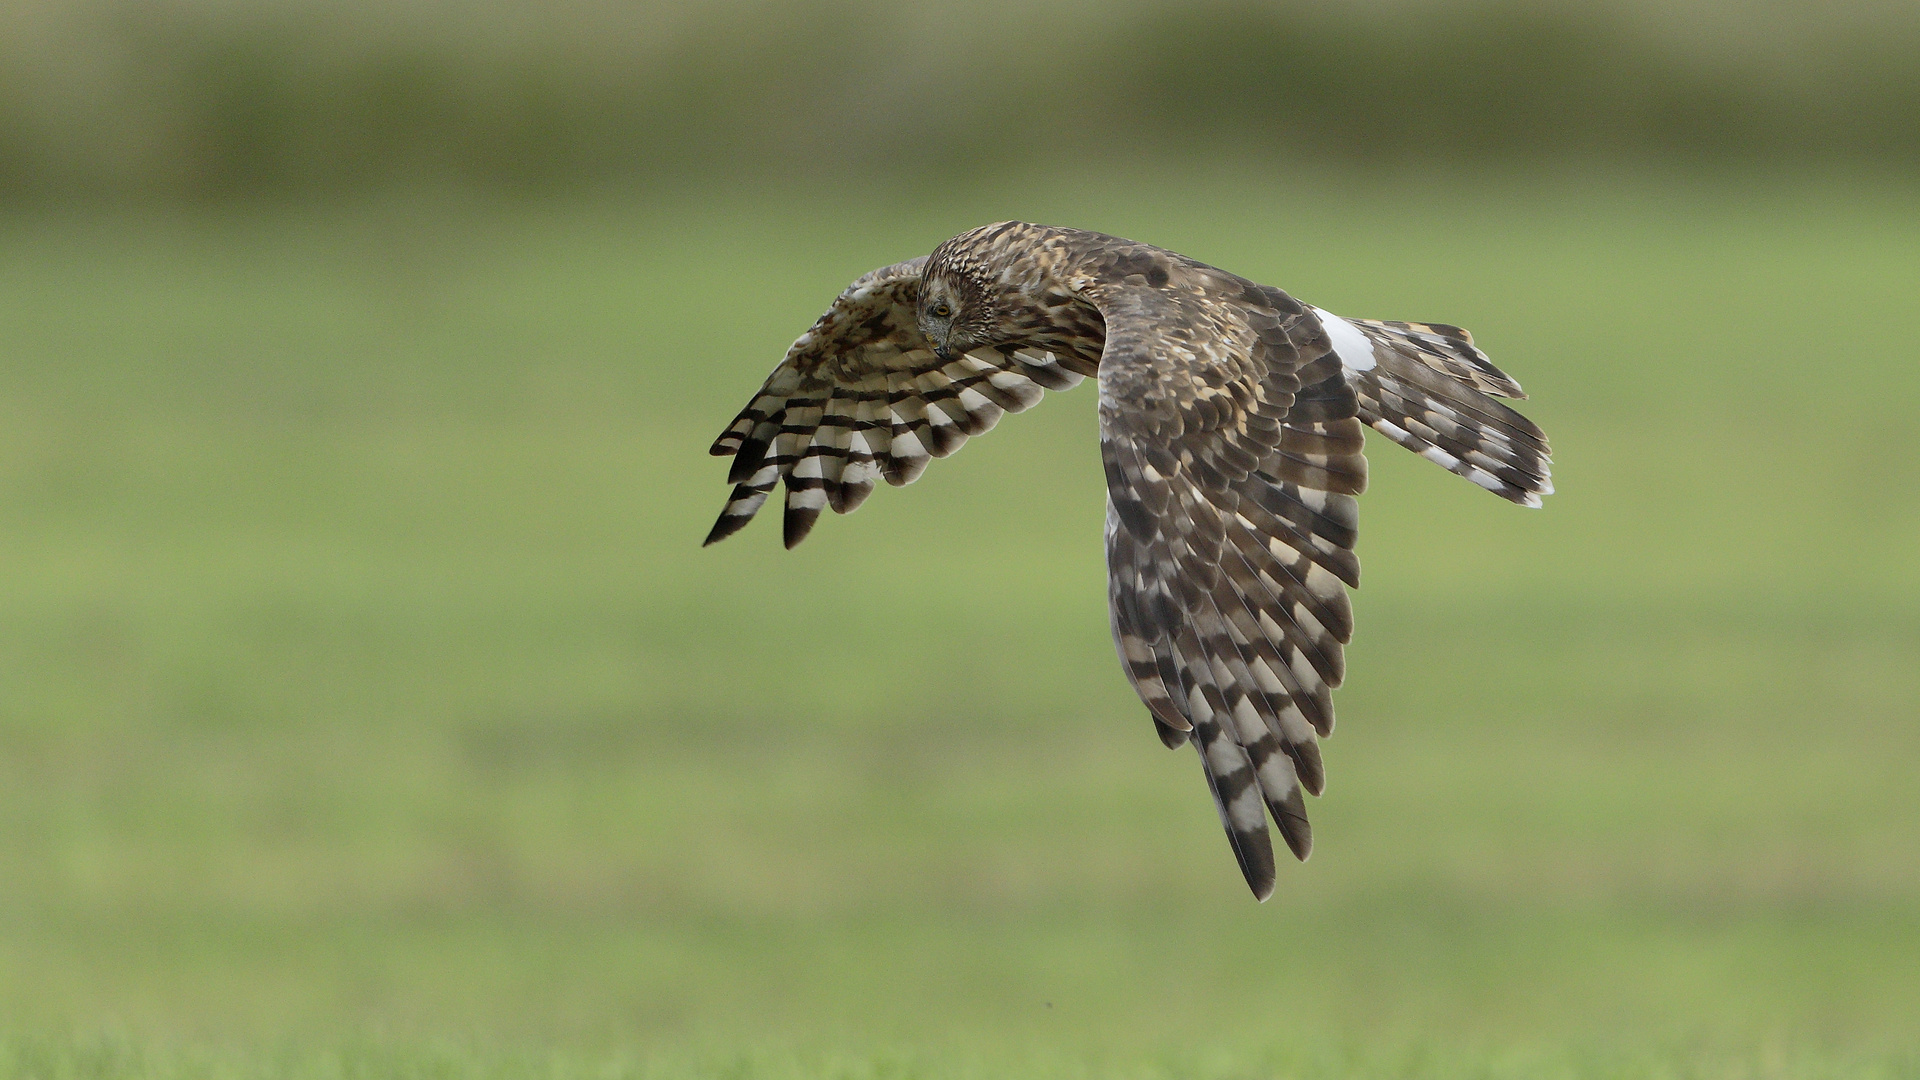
(368, 708)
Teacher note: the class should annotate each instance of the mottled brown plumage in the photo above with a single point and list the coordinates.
(1230, 430)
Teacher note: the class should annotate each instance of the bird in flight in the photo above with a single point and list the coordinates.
(1230, 429)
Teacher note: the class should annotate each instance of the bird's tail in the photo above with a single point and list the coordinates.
(1432, 391)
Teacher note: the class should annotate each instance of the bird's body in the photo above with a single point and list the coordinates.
(1230, 425)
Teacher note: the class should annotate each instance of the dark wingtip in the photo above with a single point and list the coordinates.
(796, 523)
(724, 526)
(746, 461)
(1290, 814)
(1262, 887)
(1254, 852)
(1171, 737)
(1308, 766)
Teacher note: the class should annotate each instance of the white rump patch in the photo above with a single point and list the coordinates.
(1353, 348)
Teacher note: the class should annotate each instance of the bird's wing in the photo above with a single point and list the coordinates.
(1427, 387)
(861, 396)
(1233, 457)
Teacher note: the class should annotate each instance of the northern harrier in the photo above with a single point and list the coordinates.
(1230, 427)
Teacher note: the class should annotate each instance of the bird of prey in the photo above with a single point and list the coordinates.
(1230, 429)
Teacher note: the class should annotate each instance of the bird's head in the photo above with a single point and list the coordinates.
(956, 309)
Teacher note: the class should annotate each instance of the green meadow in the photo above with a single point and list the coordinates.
(368, 707)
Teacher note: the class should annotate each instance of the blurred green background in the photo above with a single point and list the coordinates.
(368, 708)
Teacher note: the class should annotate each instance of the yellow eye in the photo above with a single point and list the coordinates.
(942, 311)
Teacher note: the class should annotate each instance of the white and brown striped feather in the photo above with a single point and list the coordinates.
(1432, 391)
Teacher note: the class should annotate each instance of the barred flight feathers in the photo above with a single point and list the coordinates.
(1231, 417)
(862, 397)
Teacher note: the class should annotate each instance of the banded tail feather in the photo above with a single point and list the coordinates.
(1427, 387)
(1449, 350)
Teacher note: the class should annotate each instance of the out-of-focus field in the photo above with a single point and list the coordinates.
(368, 707)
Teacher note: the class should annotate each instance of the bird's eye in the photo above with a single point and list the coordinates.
(942, 311)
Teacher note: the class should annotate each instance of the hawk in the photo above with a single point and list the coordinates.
(1230, 429)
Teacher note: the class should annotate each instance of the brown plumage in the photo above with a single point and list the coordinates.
(1230, 429)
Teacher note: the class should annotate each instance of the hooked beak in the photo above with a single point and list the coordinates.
(945, 354)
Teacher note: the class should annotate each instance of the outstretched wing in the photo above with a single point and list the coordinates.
(1233, 457)
(861, 396)
(1427, 387)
